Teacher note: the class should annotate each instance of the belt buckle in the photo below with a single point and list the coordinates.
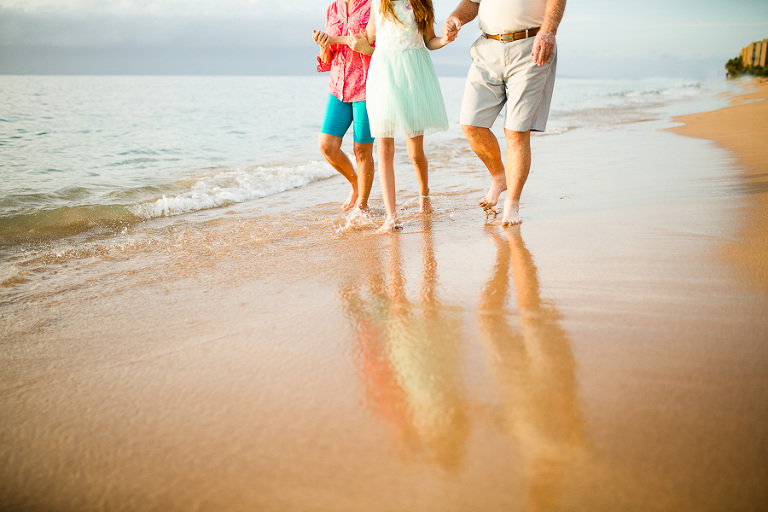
(513, 36)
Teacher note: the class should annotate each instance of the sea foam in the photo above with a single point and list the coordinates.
(233, 186)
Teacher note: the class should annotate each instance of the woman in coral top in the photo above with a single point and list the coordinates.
(345, 52)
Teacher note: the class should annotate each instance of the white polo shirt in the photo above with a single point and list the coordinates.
(505, 16)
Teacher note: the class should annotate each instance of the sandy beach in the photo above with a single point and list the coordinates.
(609, 354)
(739, 128)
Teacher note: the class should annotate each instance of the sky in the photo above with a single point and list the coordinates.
(597, 38)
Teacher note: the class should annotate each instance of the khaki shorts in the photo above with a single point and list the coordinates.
(505, 74)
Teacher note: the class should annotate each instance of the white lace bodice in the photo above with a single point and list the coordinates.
(391, 35)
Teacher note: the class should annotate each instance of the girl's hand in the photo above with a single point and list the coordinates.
(435, 42)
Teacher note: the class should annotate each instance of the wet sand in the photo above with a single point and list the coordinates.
(743, 129)
(606, 355)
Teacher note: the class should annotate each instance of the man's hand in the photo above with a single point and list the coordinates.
(451, 28)
(543, 47)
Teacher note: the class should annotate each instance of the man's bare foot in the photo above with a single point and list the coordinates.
(351, 200)
(389, 226)
(498, 185)
(425, 204)
(357, 219)
(511, 213)
(491, 210)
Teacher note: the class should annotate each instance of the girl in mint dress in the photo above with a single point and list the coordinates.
(402, 91)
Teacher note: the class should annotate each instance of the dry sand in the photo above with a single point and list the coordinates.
(603, 356)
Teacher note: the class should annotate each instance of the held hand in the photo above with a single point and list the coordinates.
(359, 42)
(451, 28)
(447, 38)
(543, 47)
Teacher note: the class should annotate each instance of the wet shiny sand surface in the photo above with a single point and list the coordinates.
(603, 356)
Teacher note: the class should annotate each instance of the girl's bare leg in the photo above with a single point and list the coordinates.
(386, 151)
(415, 147)
(330, 147)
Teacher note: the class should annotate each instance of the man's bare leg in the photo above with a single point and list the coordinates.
(518, 165)
(330, 147)
(365, 171)
(485, 145)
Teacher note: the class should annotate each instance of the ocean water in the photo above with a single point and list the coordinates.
(93, 156)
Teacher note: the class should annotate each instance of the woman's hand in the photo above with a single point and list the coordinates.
(359, 42)
(321, 38)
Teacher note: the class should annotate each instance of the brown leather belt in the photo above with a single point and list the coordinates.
(514, 36)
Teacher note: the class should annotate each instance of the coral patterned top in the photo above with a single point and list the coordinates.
(349, 69)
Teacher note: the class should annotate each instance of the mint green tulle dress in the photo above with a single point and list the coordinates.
(402, 90)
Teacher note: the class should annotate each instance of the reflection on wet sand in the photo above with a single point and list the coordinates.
(533, 368)
(408, 354)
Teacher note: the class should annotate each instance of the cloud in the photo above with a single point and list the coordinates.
(101, 29)
(274, 36)
(127, 38)
(164, 8)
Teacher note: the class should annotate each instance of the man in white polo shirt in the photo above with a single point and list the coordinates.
(513, 64)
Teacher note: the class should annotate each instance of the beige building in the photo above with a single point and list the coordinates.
(755, 54)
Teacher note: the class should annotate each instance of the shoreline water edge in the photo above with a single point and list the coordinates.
(608, 354)
(741, 128)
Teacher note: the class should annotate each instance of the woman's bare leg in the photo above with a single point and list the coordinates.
(365, 171)
(330, 147)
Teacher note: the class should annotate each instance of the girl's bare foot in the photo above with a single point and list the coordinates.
(389, 226)
(511, 213)
(425, 204)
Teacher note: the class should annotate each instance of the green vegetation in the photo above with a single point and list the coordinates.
(735, 68)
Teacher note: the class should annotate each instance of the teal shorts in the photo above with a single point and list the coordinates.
(340, 114)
